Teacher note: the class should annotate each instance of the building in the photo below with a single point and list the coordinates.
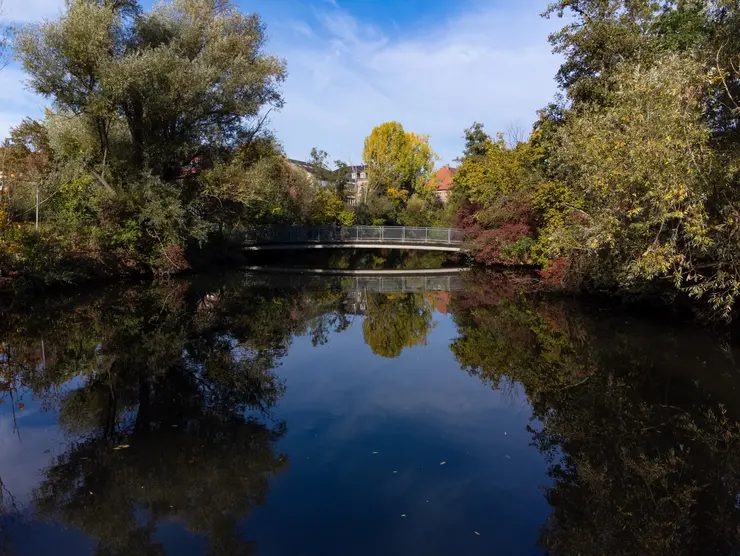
(358, 182)
(309, 169)
(444, 182)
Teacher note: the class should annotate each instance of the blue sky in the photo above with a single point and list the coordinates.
(435, 66)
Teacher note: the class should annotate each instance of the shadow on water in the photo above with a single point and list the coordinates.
(165, 395)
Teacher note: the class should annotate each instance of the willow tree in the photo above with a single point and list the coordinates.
(142, 102)
(189, 76)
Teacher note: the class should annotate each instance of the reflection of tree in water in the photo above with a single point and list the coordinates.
(643, 458)
(396, 322)
(169, 387)
(207, 476)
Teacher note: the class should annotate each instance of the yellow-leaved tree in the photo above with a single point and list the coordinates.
(399, 163)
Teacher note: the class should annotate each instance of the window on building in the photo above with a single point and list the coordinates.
(363, 175)
(354, 176)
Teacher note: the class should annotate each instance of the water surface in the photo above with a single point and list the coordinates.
(266, 415)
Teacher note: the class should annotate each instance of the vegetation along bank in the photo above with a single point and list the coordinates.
(155, 152)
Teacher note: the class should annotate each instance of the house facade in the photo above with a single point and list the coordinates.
(444, 182)
(358, 183)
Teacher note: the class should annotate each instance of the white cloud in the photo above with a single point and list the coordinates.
(488, 64)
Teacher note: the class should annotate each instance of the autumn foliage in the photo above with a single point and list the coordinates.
(630, 184)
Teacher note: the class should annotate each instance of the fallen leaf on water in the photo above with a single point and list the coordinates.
(477, 533)
(443, 463)
(121, 447)
(403, 515)
(508, 456)
(395, 471)
(375, 452)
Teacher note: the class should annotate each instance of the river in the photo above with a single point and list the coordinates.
(250, 413)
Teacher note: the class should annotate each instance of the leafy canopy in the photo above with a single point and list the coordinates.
(397, 161)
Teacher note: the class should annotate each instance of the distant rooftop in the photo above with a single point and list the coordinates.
(444, 177)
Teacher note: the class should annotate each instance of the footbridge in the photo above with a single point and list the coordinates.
(355, 237)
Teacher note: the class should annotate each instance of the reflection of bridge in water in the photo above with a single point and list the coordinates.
(374, 281)
(435, 285)
(401, 284)
(355, 237)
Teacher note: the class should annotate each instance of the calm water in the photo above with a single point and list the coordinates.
(273, 415)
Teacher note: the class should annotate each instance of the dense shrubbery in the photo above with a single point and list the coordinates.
(155, 143)
(631, 182)
(155, 146)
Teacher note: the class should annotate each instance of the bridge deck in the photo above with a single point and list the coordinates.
(356, 237)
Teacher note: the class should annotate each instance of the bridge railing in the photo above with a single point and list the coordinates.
(350, 234)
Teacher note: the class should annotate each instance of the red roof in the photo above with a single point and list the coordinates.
(444, 178)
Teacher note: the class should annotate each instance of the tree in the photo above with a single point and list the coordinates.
(318, 160)
(638, 213)
(477, 141)
(496, 183)
(338, 178)
(185, 79)
(399, 163)
(342, 179)
(143, 104)
(602, 35)
(27, 166)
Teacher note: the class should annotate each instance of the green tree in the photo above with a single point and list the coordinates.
(640, 212)
(337, 178)
(341, 179)
(477, 141)
(602, 35)
(185, 78)
(498, 186)
(143, 103)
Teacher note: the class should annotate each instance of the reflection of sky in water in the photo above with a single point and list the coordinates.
(29, 441)
(343, 403)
